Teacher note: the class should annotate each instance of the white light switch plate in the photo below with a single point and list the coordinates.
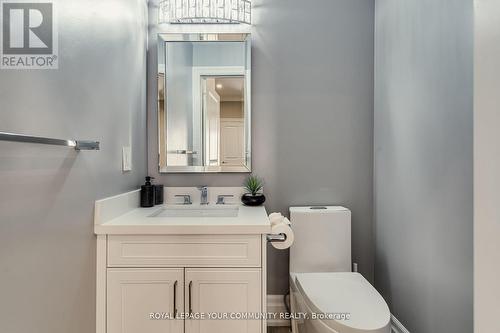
(127, 159)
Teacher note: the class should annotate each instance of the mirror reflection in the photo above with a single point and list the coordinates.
(223, 106)
(204, 104)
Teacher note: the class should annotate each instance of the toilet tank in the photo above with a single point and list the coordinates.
(322, 239)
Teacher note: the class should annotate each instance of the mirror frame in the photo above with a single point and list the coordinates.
(162, 93)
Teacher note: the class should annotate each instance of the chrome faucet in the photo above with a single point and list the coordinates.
(204, 195)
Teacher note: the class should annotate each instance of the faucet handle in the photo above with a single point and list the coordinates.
(220, 199)
(187, 199)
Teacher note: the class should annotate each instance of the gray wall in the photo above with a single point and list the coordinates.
(423, 162)
(47, 244)
(312, 99)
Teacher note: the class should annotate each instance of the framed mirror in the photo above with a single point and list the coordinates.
(204, 104)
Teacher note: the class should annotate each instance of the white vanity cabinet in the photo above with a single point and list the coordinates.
(151, 265)
(144, 279)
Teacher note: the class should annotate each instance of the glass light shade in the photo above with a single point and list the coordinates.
(205, 11)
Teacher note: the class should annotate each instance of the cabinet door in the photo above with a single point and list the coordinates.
(222, 291)
(142, 300)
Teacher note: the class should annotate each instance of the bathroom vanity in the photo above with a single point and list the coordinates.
(186, 261)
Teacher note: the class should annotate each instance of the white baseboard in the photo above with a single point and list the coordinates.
(396, 326)
(276, 305)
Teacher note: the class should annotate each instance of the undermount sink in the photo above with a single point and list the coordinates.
(197, 211)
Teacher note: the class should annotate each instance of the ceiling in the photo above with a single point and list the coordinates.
(230, 88)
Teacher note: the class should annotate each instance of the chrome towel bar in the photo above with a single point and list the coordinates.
(76, 144)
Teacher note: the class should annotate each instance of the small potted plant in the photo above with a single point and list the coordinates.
(254, 196)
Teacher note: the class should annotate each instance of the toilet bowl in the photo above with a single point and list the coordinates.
(325, 296)
(338, 302)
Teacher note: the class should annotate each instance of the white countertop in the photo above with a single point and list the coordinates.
(126, 221)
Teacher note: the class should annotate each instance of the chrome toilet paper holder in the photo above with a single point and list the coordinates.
(276, 238)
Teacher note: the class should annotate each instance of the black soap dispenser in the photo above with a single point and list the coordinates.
(148, 193)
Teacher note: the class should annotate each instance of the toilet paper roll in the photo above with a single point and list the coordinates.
(275, 215)
(275, 218)
(283, 228)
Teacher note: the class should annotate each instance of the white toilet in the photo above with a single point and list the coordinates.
(321, 283)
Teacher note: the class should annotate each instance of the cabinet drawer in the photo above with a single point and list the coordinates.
(184, 251)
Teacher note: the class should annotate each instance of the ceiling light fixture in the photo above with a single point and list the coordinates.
(205, 11)
(218, 86)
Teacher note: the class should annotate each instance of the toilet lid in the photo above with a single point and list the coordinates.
(344, 293)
